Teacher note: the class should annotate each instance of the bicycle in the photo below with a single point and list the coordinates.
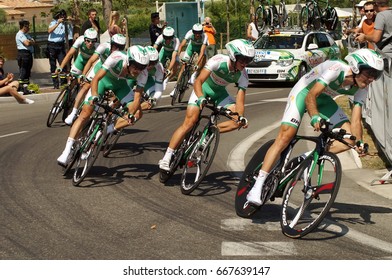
(266, 15)
(91, 139)
(182, 84)
(198, 149)
(308, 185)
(64, 101)
(313, 17)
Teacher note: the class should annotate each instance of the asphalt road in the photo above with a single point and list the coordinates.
(122, 211)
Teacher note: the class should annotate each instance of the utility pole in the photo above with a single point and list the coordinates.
(228, 20)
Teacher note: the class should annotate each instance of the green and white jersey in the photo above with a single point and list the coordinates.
(220, 78)
(331, 74)
(83, 56)
(80, 45)
(172, 46)
(191, 39)
(103, 50)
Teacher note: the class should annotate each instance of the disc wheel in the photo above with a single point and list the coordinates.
(199, 160)
(310, 195)
(242, 207)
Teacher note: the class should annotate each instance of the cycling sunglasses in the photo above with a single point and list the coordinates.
(197, 32)
(153, 63)
(167, 37)
(89, 40)
(244, 59)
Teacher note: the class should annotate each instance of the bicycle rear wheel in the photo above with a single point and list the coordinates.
(310, 195)
(57, 106)
(90, 152)
(305, 19)
(199, 160)
(111, 141)
(247, 181)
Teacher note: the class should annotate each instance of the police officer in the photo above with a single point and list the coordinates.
(24, 44)
(155, 28)
(59, 33)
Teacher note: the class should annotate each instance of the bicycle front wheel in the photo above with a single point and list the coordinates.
(247, 181)
(305, 19)
(199, 160)
(90, 152)
(184, 83)
(261, 16)
(331, 19)
(73, 92)
(310, 195)
(111, 141)
(282, 15)
(57, 107)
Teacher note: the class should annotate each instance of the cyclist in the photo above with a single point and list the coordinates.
(197, 41)
(101, 53)
(315, 92)
(220, 71)
(170, 45)
(153, 87)
(86, 45)
(114, 75)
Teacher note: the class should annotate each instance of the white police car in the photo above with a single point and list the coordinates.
(288, 55)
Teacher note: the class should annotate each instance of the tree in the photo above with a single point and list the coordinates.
(107, 9)
(3, 16)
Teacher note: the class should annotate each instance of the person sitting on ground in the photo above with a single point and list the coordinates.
(10, 87)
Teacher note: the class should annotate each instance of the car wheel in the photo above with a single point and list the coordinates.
(301, 71)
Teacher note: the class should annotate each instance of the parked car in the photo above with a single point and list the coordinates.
(288, 55)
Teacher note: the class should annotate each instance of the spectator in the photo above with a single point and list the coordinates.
(252, 32)
(367, 26)
(58, 30)
(114, 25)
(91, 22)
(155, 28)
(10, 87)
(382, 34)
(361, 11)
(209, 29)
(24, 44)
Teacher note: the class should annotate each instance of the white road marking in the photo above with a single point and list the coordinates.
(12, 134)
(236, 158)
(258, 249)
(240, 224)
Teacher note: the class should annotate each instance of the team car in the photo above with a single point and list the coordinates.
(288, 55)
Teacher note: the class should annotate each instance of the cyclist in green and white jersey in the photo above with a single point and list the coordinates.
(154, 86)
(116, 71)
(170, 45)
(196, 41)
(314, 92)
(219, 71)
(102, 52)
(84, 47)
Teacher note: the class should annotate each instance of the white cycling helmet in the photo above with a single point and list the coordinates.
(197, 28)
(91, 34)
(119, 41)
(168, 33)
(240, 48)
(152, 54)
(138, 56)
(363, 59)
